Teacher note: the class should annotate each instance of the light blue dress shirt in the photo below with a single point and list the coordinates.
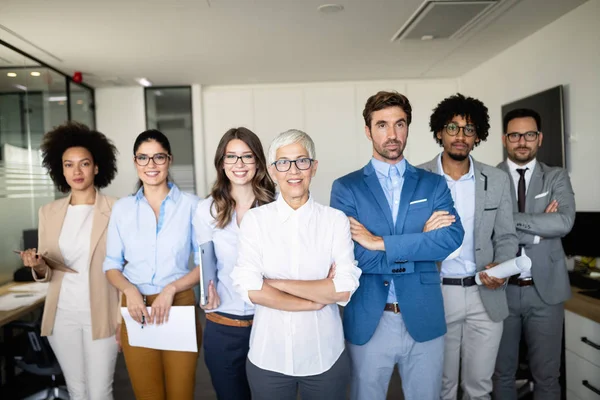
(150, 253)
(225, 242)
(391, 179)
(463, 194)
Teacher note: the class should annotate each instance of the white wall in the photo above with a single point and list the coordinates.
(331, 113)
(565, 52)
(120, 115)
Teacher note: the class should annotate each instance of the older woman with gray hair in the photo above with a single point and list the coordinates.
(295, 263)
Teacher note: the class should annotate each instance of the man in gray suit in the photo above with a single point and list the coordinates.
(481, 196)
(544, 211)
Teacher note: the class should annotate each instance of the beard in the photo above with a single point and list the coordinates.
(458, 157)
(524, 158)
(392, 155)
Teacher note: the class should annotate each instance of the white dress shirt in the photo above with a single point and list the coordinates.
(463, 194)
(279, 242)
(225, 242)
(530, 166)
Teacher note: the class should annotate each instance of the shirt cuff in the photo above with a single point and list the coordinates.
(345, 283)
(110, 263)
(536, 239)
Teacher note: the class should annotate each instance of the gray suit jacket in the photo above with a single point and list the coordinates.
(495, 236)
(549, 269)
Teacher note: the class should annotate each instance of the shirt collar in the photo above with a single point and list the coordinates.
(383, 168)
(467, 176)
(512, 166)
(173, 194)
(285, 211)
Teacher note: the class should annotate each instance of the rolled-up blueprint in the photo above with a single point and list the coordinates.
(507, 268)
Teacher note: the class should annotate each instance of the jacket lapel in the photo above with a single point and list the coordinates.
(504, 167)
(411, 178)
(480, 192)
(370, 176)
(54, 224)
(535, 187)
(100, 222)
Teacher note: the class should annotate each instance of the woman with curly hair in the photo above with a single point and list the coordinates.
(81, 313)
(242, 183)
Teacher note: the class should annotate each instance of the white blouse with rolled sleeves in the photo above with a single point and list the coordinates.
(278, 242)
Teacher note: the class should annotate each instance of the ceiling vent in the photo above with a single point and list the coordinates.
(444, 19)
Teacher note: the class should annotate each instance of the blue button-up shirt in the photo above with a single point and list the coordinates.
(150, 253)
(391, 179)
(463, 194)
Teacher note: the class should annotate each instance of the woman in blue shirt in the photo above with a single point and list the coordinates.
(242, 183)
(149, 243)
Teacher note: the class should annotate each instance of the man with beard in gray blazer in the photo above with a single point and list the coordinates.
(482, 197)
(544, 211)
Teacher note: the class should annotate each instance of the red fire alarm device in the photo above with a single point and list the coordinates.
(77, 77)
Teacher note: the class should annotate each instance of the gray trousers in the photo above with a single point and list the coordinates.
(542, 325)
(330, 385)
(471, 344)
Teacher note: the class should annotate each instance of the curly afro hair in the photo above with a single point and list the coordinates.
(74, 134)
(469, 108)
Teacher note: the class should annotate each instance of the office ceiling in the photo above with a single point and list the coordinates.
(256, 41)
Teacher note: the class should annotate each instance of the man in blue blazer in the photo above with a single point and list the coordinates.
(402, 220)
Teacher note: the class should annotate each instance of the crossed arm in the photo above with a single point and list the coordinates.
(294, 295)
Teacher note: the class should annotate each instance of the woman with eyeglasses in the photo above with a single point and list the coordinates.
(149, 242)
(295, 264)
(242, 183)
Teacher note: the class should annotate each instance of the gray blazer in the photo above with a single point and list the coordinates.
(495, 236)
(549, 269)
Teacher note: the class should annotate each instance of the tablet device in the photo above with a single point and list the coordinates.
(208, 269)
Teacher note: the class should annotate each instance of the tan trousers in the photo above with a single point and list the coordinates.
(162, 374)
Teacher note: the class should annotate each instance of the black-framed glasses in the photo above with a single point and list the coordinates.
(452, 129)
(159, 159)
(302, 164)
(515, 137)
(233, 159)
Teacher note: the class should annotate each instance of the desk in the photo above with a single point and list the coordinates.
(585, 306)
(7, 317)
(13, 315)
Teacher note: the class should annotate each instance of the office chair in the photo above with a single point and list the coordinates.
(38, 359)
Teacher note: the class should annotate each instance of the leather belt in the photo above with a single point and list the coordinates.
(515, 280)
(221, 320)
(393, 307)
(465, 282)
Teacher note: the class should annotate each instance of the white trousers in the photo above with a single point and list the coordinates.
(471, 344)
(88, 365)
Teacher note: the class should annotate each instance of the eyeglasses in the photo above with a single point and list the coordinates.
(515, 137)
(159, 159)
(233, 159)
(284, 165)
(452, 129)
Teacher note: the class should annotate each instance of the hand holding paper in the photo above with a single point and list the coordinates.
(507, 268)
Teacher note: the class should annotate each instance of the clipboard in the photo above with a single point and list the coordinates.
(208, 269)
(53, 264)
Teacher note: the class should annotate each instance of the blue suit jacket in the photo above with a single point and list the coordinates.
(410, 255)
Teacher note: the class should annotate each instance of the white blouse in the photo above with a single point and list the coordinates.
(74, 243)
(279, 242)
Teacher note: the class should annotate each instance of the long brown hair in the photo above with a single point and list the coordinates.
(262, 185)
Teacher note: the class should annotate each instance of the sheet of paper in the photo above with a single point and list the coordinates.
(12, 301)
(37, 287)
(508, 268)
(179, 334)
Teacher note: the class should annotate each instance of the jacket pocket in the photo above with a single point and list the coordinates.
(430, 278)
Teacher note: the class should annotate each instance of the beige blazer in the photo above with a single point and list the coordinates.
(104, 298)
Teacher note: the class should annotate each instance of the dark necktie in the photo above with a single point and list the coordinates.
(521, 189)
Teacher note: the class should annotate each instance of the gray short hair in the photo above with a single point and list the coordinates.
(290, 137)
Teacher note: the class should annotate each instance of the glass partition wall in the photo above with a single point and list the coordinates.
(34, 98)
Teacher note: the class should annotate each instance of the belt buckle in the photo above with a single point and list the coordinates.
(396, 308)
(462, 282)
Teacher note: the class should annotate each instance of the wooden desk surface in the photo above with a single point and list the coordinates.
(585, 306)
(12, 315)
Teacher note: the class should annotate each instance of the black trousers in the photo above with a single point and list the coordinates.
(225, 353)
(330, 385)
